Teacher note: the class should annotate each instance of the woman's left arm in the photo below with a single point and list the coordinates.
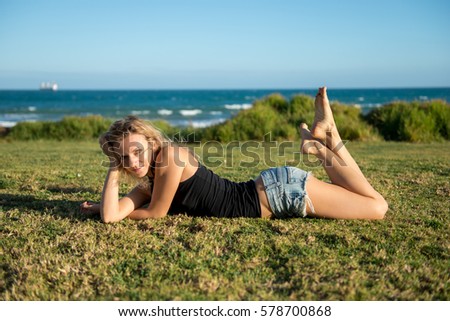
(167, 178)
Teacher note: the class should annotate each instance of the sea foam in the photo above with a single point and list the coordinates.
(7, 124)
(190, 112)
(198, 123)
(140, 112)
(238, 106)
(165, 112)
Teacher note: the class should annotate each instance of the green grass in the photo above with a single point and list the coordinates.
(51, 252)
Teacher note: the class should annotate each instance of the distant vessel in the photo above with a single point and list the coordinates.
(49, 86)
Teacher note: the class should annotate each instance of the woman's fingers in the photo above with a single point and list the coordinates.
(86, 206)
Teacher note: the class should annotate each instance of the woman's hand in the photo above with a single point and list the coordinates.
(89, 208)
(104, 145)
(109, 150)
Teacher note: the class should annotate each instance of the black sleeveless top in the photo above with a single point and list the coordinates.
(207, 194)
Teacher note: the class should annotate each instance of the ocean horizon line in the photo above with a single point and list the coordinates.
(234, 89)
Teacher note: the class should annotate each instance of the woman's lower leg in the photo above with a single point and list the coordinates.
(339, 172)
(324, 128)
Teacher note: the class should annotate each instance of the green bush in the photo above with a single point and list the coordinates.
(69, 128)
(351, 124)
(282, 118)
(72, 128)
(264, 118)
(348, 119)
(277, 102)
(29, 131)
(301, 110)
(440, 111)
(413, 122)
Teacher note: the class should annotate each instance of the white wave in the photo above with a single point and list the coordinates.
(215, 112)
(360, 98)
(199, 123)
(7, 123)
(20, 117)
(206, 123)
(423, 97)
(371, 105)
(165, 112)
(31, 108)
(238, 106)
(140, 112)
(190, 112)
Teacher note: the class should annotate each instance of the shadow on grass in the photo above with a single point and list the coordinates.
(57, 208)
(69, 190)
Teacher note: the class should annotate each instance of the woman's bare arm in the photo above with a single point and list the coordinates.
(133, 200)
(167, 179)
(113, 209)
(109, 205)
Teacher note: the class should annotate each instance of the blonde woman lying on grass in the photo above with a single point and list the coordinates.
(180, 184)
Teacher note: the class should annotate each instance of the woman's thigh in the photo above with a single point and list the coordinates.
(333, 201)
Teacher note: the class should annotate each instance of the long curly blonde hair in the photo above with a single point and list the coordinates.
(121, 129)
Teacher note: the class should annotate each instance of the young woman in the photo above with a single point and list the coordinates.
(180, 184)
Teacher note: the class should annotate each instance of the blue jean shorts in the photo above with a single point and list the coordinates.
(286, 192)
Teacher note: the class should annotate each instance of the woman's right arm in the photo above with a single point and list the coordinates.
(113, 209)
(109, 205)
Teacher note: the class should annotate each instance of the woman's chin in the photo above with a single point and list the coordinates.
(139, 173)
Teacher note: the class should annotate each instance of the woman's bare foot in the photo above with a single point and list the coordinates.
(310, 145)
(323, 119)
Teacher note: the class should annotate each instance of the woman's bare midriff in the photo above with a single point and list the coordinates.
(263, 201)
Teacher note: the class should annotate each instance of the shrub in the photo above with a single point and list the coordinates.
(301, 110)
(277, 102)
(255, 123)
(440, 111)
(351, 124)
(348, 119)
(413, 122)
(28, 130)
(282, 118)
(72, 128)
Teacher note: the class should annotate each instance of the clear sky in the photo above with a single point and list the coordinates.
(190, 44)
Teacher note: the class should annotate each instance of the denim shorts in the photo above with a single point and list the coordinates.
(286, 192)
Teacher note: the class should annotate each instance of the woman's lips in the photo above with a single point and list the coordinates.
(137, 170)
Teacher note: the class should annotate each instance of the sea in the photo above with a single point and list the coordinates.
(197, 108)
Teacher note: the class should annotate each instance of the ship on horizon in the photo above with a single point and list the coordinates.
(49, 86)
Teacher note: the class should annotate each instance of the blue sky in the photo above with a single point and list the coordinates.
(170, 44)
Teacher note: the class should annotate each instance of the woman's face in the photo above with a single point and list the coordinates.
(136, 152)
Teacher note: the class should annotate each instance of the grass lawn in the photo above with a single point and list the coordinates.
(51, 252)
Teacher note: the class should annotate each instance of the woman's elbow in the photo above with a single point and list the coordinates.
(107, 219)
(380, 207)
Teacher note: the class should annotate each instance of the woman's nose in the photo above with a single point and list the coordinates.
(134, 161)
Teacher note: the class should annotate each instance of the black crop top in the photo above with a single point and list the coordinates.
(207, 194)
